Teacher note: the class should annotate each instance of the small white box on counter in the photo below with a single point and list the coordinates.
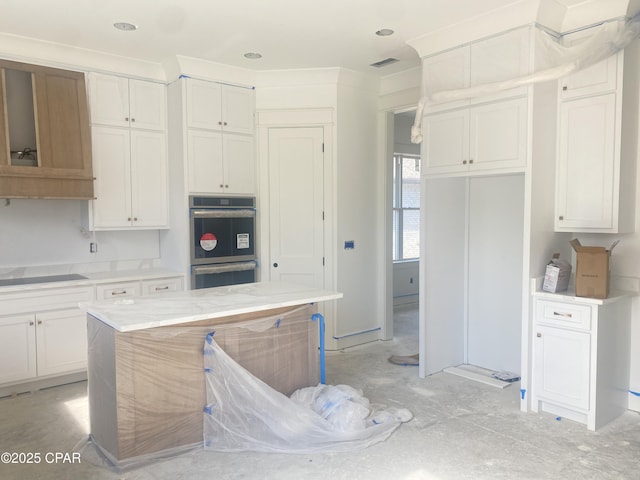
(557, 275)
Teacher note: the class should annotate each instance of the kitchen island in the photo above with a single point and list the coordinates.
(146, 375)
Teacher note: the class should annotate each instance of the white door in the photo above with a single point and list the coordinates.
(296, 205)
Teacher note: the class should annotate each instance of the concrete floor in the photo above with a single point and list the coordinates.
(461, 430)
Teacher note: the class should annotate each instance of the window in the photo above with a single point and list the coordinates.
(406, 207)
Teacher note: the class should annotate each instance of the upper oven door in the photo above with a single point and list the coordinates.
(222, 235)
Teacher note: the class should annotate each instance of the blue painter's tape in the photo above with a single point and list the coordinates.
(208, 409)
(637, 394)
(207, 370)
(320, 319)
(278, 323)
(558, 418)
(522, 393)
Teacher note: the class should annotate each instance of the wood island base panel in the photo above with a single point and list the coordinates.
(147, 387)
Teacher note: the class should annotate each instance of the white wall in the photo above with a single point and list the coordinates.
(53, 233)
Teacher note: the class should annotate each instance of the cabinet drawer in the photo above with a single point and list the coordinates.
(117, 290)
(564, 314)
(161, 285)
(44, 299)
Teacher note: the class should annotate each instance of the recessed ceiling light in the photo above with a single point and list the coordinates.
(125, 26)
(253, 55)
(385, 32)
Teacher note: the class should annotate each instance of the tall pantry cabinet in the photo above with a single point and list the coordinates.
(484, 228)
(212, 151)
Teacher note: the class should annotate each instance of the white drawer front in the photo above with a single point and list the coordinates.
(117, 290)
(44, 299)
(161, 285)
(564, 314)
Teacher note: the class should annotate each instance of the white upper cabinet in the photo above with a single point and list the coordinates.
(596, 147)
(220, 163)
(495, 59)
(219, 138)
(479, 139)
(131, 179)
(130, 158)
(586, 168)
(598, 78)
(123, 102)
(214, 106)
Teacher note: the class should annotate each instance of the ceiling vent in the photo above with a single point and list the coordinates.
(385, 62)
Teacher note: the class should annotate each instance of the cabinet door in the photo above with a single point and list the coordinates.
(445, 148)
(148, 105)
(238, 110)
(17, 348)
(500, 58)
(204, 104)
(601, 77)
(149, 183)
(239, 164)
(446, 71)
(112, 160)
(204, 155)
(498, 135)
(109, 96)
(586, 164)
(61, 339)
(562, 366)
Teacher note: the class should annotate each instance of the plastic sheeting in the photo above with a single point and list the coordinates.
(245, 414)
(555, 60)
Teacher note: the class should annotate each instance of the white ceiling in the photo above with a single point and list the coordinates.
(288, 33)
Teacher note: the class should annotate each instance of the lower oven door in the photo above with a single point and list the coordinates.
(221, 274)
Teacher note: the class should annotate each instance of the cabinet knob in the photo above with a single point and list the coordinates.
(220, 122)
(221, 186)
(39, 322)
(31, 324)
(561, 217)
(539, 335)
(471, 160)
(464, 162)
(226, 186)
(133, 119)
(128, 219)
(126, 119)
(275, 265)
(135, 219)
(224, 123)
(565, 88)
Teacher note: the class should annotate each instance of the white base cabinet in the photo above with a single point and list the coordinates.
(581, 357)
(43, 334)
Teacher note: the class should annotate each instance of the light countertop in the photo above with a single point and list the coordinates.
(138, 313)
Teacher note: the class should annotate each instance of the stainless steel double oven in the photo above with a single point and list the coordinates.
(223, 250)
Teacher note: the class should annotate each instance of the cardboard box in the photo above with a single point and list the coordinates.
(557, 275)
(592, 270)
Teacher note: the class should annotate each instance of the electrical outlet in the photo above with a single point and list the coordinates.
(93, 247)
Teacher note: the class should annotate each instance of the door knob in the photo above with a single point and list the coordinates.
(275, 265)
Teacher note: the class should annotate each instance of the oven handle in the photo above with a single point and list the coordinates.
(222, 213)
(226, 267)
